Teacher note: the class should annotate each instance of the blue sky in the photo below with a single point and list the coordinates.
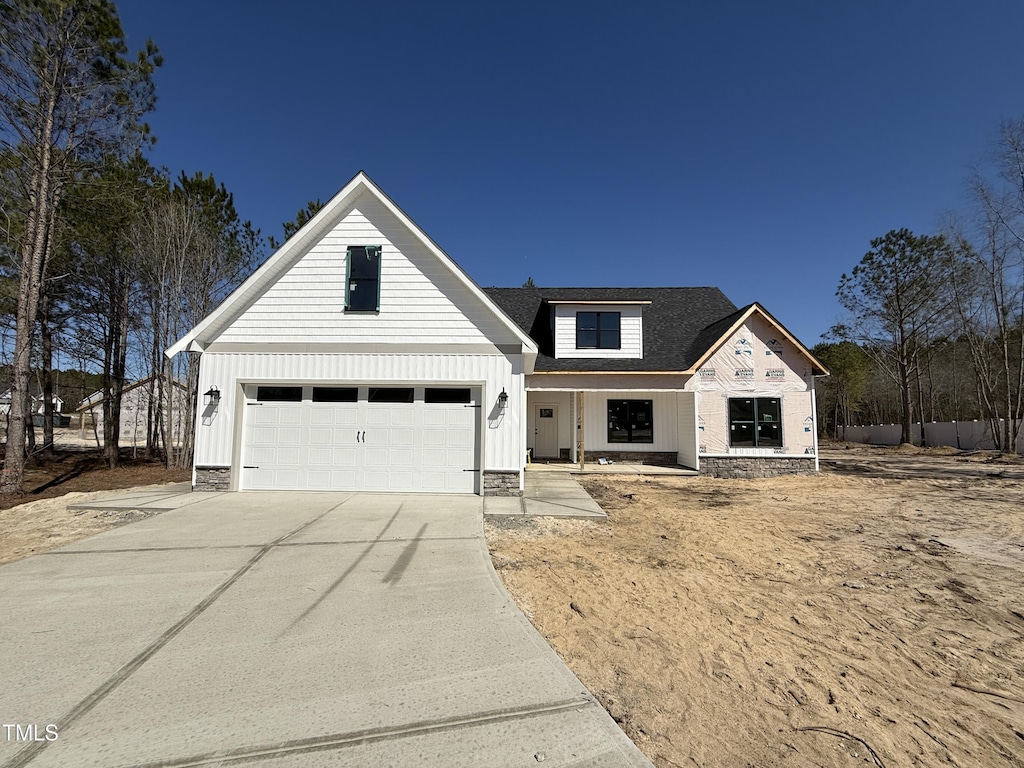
(755, 146)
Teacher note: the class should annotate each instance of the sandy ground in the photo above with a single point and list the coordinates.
(38, 519)
(857, 617)
(37, 526)
(873, 614)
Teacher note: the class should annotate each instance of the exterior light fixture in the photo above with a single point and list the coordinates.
(212, 396)
(503, 400)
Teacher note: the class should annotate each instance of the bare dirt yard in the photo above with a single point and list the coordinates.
(873, 614)
(39, 519)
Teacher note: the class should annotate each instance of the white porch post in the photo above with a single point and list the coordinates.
(580, 447)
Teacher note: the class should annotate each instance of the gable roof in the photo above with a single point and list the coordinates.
(96, 398)
(716, 334)
(298, 244)
(673, 321)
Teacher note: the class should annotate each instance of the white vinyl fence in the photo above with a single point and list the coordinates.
(967, 435)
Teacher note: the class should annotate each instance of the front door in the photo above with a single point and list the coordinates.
(545, 431)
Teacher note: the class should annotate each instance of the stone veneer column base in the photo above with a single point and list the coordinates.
(755, 466)
(212, 479)
(501, 482)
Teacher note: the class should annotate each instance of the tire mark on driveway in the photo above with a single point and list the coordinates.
(29, 753)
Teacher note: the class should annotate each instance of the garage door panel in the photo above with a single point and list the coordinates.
(292, 436)
(402, 417)
(375, 457)
(288, 456)
(459, 438)
(343, 479)
(401, 481)
(378, 416)
(320, 457)
(434, 438)
(287, 479)
(263, 415)
(435, 481)
(460, 417)
(401, 437)
(458, 458)
(321, 436)
(289, 415)
(432, 417)
(264, 436)
(433, 459)
(401, 458)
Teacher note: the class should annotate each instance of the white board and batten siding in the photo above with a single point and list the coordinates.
(687, 430)
(220, 437)
(664, 413)
(420, 300)
(631, 334)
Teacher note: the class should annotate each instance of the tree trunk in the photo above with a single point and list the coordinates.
(46, 337)
(33, 266)
(920, 405)
(114, 370)
(906, 404)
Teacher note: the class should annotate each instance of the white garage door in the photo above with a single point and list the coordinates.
(341, 438)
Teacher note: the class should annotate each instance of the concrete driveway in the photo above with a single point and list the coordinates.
(286, 630)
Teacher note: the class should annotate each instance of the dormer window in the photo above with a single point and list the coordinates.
(598, 330)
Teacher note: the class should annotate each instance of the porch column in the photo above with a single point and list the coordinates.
(580, 447)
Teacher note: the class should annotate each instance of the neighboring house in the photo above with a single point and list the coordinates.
(359, 356)
(135, 400)
(38, 401)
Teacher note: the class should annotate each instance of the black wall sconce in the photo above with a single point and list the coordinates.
(212, 396)
(502, 400)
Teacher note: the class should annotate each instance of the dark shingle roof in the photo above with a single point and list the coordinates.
(675, 322)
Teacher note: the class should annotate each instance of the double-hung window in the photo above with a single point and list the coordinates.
(630, 421)
(755, 422)
(362, 284)
(598, 330)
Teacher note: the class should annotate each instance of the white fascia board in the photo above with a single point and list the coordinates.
(310, 233)
(594, 302)
(755, 307)
(606, 389)
(529, 345)
(253, 286)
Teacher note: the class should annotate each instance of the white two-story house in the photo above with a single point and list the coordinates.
(360, 357)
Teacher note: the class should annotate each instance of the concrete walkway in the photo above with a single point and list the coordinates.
(551, 494)
(287, 630)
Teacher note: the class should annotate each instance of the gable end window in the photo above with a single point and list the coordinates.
(362, 278)
(755, 422)
(598, 330)
(630, 421)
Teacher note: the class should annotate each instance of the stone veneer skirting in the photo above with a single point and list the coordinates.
(663, 458)
(501, 482)
(755, 466)
(212, 479)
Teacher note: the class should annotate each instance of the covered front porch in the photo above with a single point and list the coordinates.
(612, 430)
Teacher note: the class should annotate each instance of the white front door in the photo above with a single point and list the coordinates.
(545, 431)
